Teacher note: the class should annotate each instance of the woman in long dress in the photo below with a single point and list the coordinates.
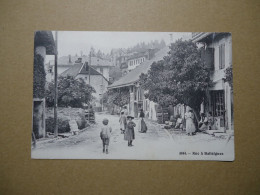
(130, 133)
(142, 128)
(190, 126)
(122, 121)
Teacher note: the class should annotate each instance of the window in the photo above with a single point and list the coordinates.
(217, 103)
(222, 56)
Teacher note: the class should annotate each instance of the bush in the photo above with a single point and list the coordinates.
(63, 125)
(81, 121)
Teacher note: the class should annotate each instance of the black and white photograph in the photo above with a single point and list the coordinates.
(132, 95)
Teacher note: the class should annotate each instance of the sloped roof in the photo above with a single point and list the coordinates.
(80, 69)
(138, 55)
(72, 71)
(95, 61)
(64, 60)
(133, 76)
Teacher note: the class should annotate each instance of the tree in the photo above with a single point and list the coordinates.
(99, 54)
(39, 77)
(180, 78)
(118, 97)
(93, 52)
(71, 92)
(115, 73)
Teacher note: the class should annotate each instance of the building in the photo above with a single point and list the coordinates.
(135, 60)
(130, 83)
(130, 61)
(218, 56)
(103, 66)
(97, 80)
(63, 63)
(43, 45)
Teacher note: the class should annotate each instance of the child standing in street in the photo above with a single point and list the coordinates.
(130, 132)
(105, 135)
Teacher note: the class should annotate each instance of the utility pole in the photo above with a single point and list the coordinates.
(56, 86)
(89, 83)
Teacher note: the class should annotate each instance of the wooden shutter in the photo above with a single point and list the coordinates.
(223, 55)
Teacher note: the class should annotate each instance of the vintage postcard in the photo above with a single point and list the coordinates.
(133, 95)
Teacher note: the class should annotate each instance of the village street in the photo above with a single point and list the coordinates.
(157, 143)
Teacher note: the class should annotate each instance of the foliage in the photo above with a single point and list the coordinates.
(39, 77)
(71, 92)
(116, 97)
(81, 122)
(180, 78)
(229, 76)
(63, 125)
(142, 46)
(115, 73)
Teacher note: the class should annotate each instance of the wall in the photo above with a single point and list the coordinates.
(95, 81)
(105, 71)
(134, 63)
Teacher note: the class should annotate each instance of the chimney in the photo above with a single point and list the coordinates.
(70, 59)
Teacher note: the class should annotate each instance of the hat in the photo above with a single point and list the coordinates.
(105, 121)
(130, 117)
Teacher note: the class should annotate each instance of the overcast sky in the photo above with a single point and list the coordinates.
(72, 42)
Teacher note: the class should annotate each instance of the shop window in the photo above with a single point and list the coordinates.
(217, 103)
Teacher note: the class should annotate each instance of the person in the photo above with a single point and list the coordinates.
(105, 135)
(203, 123)
(210, 121)
(190, 126)
(142, 128)
(178, 122)
(122, 121)
(130, 133)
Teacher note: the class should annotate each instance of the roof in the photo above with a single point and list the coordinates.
(133, 76)
(95, 61)
(137, 55)
(80, 69)
(64, 60)
(73, 71)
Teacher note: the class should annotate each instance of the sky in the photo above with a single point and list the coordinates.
(73, 42)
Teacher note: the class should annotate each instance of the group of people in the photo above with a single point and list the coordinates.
(205, 123)
(188, 122)
(126, 127)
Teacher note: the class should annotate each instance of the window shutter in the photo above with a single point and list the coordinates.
(219, 54)
(223, 55)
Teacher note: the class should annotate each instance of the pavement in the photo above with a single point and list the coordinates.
(156, 144)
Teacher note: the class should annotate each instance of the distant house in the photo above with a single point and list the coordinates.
(97, 80)
(63, 63)
(135, 60)
(103, 66)
(130, 82)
